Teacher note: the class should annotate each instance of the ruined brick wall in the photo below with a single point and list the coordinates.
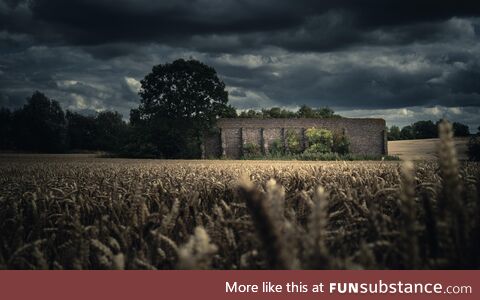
(366, 136)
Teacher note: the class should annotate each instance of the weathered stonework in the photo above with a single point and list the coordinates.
(366, 136)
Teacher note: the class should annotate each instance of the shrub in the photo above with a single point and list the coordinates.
(251, 149)
(319, 140)
(293, 142)
(474, 148)
(341, 145)
(319, 136)
(277, 148)
(318, 148)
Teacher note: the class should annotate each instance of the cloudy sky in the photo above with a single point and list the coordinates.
(399, 60)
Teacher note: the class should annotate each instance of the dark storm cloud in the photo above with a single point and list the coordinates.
(305, 25)
(368, 55)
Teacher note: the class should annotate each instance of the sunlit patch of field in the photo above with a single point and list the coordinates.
(424, 149)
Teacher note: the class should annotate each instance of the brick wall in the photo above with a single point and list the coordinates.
(366, 136)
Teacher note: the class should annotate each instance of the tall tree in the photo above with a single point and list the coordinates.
(424, 130)
(305, 112)
(407, 133)
(460, 129)
(394, 133)
(5, 129)
(110, 131)
(81, 131)
(229, 112)
(40, 125)
(180, 102)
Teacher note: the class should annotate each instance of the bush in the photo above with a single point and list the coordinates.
(277, 148)
(341, 145)
(474, 148)
(319, 140)
(293, 142)
(318, 148)
(319, 136)
(251, 149)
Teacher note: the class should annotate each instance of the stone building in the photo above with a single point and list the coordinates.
(366, 136)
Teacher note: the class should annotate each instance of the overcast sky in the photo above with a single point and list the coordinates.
(399, 60)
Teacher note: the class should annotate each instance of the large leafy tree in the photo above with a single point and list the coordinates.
(110, 131)
(6, 117)
(407, 133)
(40, 125)
(80, 131)
(460, 129)
(394, 133)
(180, 102)
(106, 131)
(424, 130)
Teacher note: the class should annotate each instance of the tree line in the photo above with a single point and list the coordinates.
(42, 126)
(280, 113)
(424, 130)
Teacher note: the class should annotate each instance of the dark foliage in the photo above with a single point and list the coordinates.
(460, 130)
(394, 133)
(81, 131)
(424, 130)
(279, 113)
(308, 112)
(110, 131)
(407, 133)
(341, 145)
(229, 112)
(6, 118)
(474, 148)
(180, 102)
(42, 126)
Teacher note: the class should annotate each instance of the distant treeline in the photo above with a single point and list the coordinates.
(277, 112)
(42, 126)
(424, 130)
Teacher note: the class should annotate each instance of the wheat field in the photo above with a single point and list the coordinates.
(425, 149)
(81, 212)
